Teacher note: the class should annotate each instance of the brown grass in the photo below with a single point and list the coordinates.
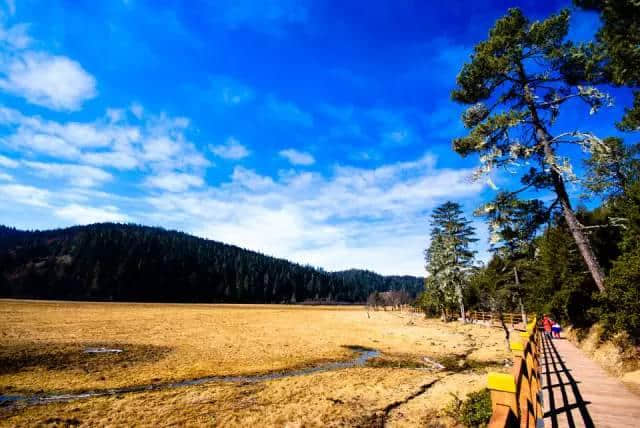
(41, 346)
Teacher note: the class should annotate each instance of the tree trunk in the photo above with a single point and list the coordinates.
(507, 335)
(574, 226)
(522, 313)
(464, 318)
(543, 137)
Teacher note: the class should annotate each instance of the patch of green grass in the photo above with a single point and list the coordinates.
(472, 412)
(398, 363)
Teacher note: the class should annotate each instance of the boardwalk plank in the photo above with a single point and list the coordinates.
(581, 393)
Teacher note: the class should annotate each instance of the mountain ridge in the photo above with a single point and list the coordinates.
(127, 262)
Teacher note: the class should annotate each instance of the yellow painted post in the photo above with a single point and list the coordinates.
(503, 392)
(526, 338)
(516, 348)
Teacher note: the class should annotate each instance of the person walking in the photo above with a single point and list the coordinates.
(555, 330)
(546, 325)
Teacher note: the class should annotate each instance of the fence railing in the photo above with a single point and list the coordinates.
(510, 318)
(516, 397)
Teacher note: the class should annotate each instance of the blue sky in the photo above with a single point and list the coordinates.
(319, 131)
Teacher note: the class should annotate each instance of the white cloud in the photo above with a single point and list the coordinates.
(79, 214)
(31, 141)
(25, 195)
(374, 218)
(56, 82)
(15, 37)
(137, 110)
(115, 159)
(76, 175)
(8, 162)
(356, 217)
(231, 149)
(297, 157)
(5, 177)
(158, 142)
(250, 180)
(175, 182)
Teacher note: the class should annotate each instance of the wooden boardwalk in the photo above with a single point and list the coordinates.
(583, 394)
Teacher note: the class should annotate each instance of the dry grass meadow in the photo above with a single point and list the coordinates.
(42, 344)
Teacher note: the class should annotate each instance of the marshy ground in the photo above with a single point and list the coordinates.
(43, 352)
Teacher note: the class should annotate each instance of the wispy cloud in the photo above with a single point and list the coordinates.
(288, 112)
(229, 91)
(231, 149)
(324, 220)
(76, 175)
(8, 162)
(268, 16)
(174, 182)
(11, 6)
(297, 157)
(380, 127)
(25, 195)
(15, 37)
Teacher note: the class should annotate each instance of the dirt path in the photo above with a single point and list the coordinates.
(579, 393)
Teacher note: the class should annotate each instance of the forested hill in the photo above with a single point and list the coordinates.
(138, 263)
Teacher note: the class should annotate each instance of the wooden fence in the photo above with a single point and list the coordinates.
(516, 398)
(494, 318)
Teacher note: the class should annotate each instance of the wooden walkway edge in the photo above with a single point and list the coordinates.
(579, 393)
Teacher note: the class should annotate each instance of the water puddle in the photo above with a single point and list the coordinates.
(363, 355)
(102, 351)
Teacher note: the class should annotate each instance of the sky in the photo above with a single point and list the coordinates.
(317, 131)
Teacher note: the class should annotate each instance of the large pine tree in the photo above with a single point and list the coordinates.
(449, 257)
(516, 83)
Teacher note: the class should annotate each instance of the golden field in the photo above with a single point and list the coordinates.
(42, 344)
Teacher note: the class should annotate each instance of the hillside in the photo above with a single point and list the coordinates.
(138, 263)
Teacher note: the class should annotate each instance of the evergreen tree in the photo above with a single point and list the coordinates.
(129, 262)
(612, 168)
(449, 258)
(516, 83)
(618, 47)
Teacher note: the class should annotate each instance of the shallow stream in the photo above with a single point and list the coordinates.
(363, 355)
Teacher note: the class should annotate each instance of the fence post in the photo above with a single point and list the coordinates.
(503, 397)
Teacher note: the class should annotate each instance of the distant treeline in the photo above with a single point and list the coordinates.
(137, 263)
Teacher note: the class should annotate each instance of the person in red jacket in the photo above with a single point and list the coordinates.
(547, 324)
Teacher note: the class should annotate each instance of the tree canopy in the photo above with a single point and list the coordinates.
(618, 48)
(449, 258)
(516, 83)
